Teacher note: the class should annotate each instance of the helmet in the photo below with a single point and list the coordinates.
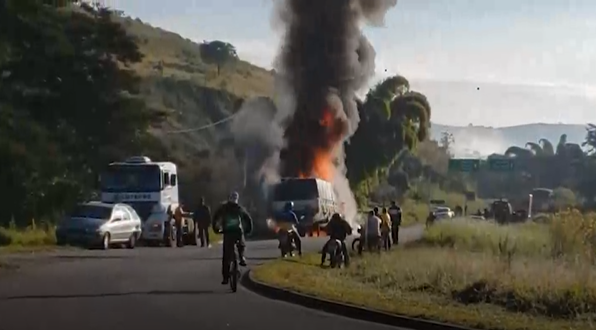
(289, 206)
(234, 197)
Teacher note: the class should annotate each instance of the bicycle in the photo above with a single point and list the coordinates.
(234, 271)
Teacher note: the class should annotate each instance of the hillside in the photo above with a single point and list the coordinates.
(473, 140)
(190, 90)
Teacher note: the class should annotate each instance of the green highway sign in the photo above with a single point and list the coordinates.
(464, 165)
(501, 165)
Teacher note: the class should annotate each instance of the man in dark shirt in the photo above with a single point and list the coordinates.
(395, 214)
(202, 220)
(337, 228)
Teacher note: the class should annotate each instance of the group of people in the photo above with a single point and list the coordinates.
(382, 228)
(230, 219)
(234, 222)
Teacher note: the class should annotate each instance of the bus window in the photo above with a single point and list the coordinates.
(294, 190)
(166, 178)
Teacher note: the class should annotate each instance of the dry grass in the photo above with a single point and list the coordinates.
(531, 276)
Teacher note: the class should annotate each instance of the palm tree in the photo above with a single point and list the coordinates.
(519, 152)
(392, 118)
(547, 147)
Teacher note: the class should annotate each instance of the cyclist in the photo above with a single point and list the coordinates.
(234, 222)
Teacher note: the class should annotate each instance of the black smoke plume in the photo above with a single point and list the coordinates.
(325, 59)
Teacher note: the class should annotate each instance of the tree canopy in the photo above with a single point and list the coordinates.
(68, 102)
(218, 53)
(393, 118)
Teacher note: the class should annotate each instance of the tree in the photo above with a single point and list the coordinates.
(447, 141)
(393, 119)
(218, 53)
(68, 103)
(590, 141)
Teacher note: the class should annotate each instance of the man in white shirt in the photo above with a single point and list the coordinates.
(373, 232)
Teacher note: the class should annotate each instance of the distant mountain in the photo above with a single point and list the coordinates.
(481, 141)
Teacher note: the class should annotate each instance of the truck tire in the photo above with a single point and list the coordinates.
(170, 236)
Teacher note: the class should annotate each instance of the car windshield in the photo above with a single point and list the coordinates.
(294, 190)
(131, 178)
(92, 211)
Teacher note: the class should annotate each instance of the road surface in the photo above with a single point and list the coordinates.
(150, 288)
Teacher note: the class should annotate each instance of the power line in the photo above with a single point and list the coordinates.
(196, 129)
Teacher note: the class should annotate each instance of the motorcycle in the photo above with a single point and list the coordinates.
(336, 254)
(286, 242)
(357, 242)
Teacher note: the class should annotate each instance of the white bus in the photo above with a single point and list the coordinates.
(314, 200)
(149, 187)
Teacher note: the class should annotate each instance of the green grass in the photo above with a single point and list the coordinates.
(31, 238)
(479, 274)
(42, 238)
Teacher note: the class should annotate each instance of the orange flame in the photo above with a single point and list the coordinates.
(323, 167)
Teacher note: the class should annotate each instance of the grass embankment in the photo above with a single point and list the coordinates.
(36, 238)
(529, 276)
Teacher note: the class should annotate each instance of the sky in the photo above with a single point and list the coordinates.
(493, 63)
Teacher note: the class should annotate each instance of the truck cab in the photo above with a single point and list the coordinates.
(151, 188)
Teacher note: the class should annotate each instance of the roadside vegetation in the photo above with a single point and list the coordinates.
(32, 237)
(474, 273)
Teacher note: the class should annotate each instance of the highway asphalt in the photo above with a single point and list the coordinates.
(150, 288)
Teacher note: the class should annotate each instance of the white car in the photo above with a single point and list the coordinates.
(442, 212)
(96, 224)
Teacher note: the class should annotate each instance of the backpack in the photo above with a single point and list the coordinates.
(232, 223)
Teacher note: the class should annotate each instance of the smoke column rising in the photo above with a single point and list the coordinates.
(325, 59)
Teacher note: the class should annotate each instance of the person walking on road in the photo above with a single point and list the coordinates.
(202, 220)
(395, 214)
(385, 229)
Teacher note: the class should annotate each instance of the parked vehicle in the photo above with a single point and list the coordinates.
(151, 188)
(101, 225)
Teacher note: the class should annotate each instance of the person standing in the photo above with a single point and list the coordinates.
(395, 214)
(373, 232)
(178, 215)
(202, 220)
(385, 229)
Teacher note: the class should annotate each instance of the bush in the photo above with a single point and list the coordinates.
(31, 236)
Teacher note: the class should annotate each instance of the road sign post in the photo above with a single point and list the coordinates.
(464, 165)
(501, 165)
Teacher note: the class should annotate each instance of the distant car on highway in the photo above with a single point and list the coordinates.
(443, 212)
(101, 225)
